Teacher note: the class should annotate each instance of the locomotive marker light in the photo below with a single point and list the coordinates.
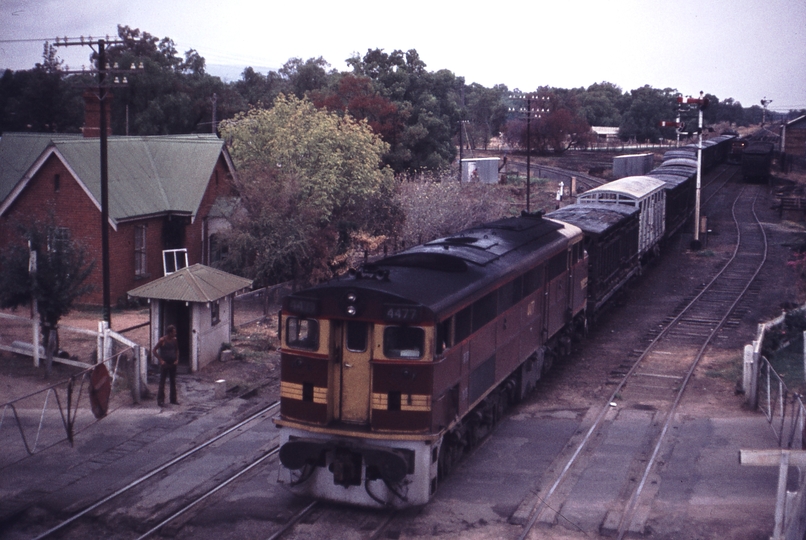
(702, 103)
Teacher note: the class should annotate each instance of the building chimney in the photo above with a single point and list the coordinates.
(92, 114)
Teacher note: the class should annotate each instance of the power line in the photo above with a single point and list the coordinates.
(49, 39)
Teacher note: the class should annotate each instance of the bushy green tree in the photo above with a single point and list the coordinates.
(602, 104)
(308, 177)
(486, 112)
(648, 107)
(429, 104)
(59, 280)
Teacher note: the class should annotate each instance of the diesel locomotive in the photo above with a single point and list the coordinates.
(391, 372)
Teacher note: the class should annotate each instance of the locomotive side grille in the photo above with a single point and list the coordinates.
(401, 402)
(300, 392)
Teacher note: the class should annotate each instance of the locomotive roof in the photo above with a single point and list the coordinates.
(631, 187)
(594, 218)
(447, 273)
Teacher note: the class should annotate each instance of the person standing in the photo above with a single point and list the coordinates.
(167, 352)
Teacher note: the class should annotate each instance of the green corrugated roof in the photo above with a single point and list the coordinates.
(147, 175)
(197, 283)
(18, 151)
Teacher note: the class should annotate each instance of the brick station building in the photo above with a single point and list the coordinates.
(165, 192)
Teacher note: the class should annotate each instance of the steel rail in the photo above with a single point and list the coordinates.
(543, 501)
(157, 470)
(271, 453)
(628, 514)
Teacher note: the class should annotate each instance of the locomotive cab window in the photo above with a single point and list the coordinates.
(356, 336)
(302, 333)
(403, 342)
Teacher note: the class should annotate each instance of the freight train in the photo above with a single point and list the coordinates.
(393, 371)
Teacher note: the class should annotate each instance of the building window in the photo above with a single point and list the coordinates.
(174, 260)
(218, 249)
(58, 239)
(56, 183)
(140, 267)
(215, 316)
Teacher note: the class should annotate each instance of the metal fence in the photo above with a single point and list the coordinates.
(786, 414)
(784, 409)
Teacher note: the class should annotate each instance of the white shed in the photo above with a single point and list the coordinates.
(198, 300)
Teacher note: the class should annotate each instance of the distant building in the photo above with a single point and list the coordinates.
(165, 192)
(605, 134)
(793, 142)
(484, 170)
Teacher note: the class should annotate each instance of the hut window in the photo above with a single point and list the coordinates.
(140, 266)
(215, 316)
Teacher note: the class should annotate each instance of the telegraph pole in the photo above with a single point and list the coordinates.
(537, 112)
(103, 93)
(104, 181)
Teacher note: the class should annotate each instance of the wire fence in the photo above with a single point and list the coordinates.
(784, 409)
(256, 305)
(54, 413)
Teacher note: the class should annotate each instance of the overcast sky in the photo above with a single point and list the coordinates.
(743, 49)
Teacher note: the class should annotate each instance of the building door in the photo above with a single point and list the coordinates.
(179, 315)
(356, 372)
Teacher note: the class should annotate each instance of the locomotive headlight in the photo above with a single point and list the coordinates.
(351, 310)
(351, 297)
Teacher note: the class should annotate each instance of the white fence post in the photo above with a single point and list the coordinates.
(747, 372)
(36, 338)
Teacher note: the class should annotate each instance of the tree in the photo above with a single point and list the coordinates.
(486, 112)
(171, 94)
(308, 177)
(602, 104)
(59, 279)
(301, 78)
(648, 106)
(357, 97)
(555, 124)
(429, 104)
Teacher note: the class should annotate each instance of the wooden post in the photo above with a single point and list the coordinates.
(783, 459)
(747, 372)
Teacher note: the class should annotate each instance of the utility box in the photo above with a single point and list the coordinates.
(480, 170)
(632, 165)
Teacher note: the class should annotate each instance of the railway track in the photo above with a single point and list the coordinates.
(208, 483)
(323, 520)
(626, 435)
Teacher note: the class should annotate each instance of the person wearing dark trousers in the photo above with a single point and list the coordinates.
(167, 352)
